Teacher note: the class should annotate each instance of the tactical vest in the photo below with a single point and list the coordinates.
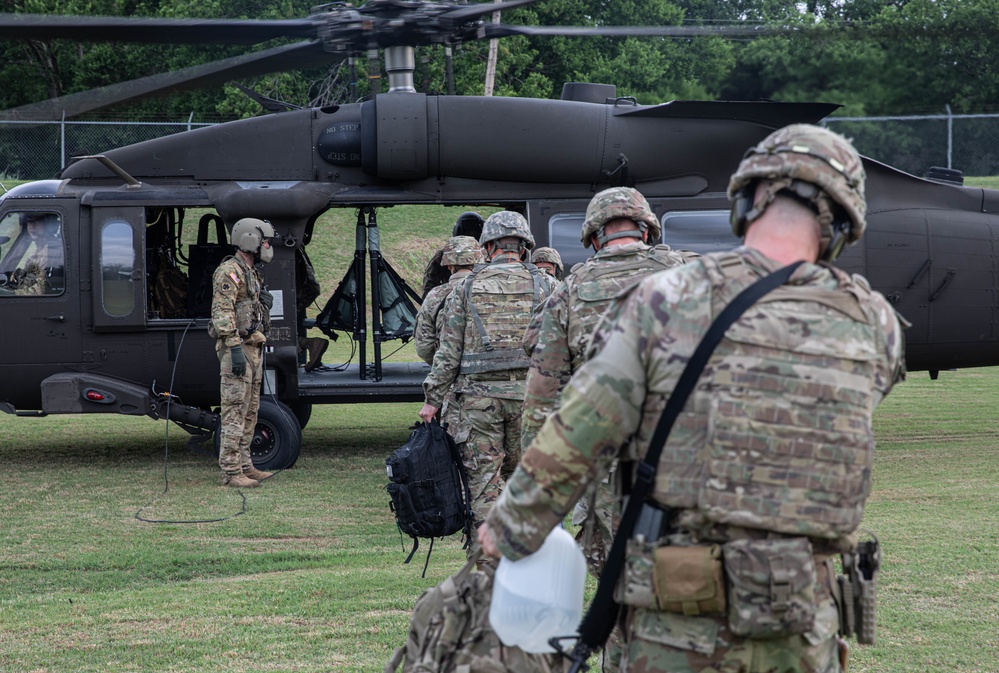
(500, 299)
(599, 281)
(249, 312)
(786, 405)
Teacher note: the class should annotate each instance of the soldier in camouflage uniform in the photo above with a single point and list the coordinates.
(774, 447)
(459, 256)
(239, 306)
(549, 261)
(46, 261)
(481, 356)
(619, 223)
(468, 223)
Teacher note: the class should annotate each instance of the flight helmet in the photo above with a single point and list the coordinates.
(812, 164)
(49, 221)
(248, 235)
(615, 203)
(468, 223)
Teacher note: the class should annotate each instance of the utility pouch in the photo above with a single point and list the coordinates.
(635, 587)
(255, 338)
(771, 590)
(689, 580)
(861, 567)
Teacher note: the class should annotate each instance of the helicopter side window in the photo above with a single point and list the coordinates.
(563, 235)
(32, 256)
(700, 231)
(117, 266)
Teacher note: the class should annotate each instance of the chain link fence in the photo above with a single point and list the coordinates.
(38, 150)
(966, 142)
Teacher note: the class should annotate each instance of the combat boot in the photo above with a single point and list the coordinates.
(259, 475)
(316, 348)
(239, 480)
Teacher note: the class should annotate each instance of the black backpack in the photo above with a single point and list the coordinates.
(429, 487)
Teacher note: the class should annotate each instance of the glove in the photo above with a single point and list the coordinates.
(267, 299)
(238, 360)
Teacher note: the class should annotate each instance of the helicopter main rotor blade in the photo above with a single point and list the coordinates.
(471, 12)
(287, 57)
(150, 30)
(491, 30)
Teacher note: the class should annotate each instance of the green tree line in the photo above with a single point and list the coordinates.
(875, 57)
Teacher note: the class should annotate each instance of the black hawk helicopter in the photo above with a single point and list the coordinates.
(100, 334)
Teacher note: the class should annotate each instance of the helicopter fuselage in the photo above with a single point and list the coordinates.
(104, 341)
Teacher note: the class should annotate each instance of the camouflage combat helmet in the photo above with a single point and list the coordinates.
(506, 223)
(248, 235)
(618, 202)
(551, 256)
(461, 251)
(800, 158)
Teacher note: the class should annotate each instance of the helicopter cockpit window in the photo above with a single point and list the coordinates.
(117, 265)
(32, 256)
(701, 231)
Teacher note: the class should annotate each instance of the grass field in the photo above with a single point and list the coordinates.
(106, 566)
(310, 577)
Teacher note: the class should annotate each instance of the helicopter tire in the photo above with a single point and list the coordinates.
(277, 438)
(302, 411)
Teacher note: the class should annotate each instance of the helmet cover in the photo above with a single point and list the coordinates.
(619, 202)
(462, 251)
(803, 153)
(549, 255)
(506, 223)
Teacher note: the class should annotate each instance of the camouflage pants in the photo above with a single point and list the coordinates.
(663, 641)
(598, 514)
(490, 430)
(450, 413)
(240, 403)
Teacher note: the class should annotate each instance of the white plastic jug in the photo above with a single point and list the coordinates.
(540, 596)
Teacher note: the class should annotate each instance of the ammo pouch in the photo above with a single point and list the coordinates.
(688, 580)
(771, 587)
(684, 580)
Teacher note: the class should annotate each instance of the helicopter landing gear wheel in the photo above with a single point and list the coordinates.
(302, 411)
(277, 437)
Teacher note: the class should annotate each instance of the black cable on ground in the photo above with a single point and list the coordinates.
(166, 456)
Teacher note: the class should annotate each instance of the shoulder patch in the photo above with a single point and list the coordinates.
(226, 287)
(235, 277)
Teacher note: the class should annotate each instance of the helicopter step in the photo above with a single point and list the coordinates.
(400, 382)
(83, 393)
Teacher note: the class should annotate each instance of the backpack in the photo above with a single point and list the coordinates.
(169, 287)
(428, 487)
(449, 632)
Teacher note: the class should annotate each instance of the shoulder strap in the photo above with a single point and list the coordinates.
(602, 613)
